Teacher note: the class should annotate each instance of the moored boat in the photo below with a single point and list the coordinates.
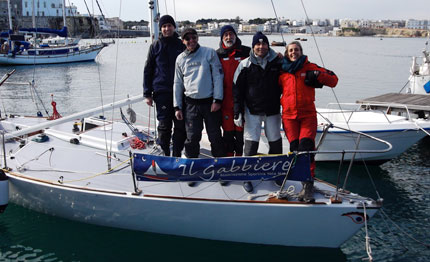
(71, 174)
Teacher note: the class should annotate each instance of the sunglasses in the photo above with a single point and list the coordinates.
(188, 38)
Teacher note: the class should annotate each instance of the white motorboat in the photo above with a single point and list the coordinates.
(335, 126)
(92, 174)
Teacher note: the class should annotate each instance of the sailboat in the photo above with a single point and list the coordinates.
(69, 167)
(16, 50)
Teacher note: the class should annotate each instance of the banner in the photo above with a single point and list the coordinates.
(162, 168)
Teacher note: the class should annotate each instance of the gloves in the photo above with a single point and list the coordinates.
(311, 79)
(238, 120)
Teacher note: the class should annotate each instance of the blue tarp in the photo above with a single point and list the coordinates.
(162, 168)
(62, 32)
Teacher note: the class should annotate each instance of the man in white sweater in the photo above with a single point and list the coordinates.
(198, 94)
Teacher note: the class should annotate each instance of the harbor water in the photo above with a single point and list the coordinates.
(366, 66)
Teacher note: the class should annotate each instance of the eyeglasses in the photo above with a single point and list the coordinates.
(188, 38)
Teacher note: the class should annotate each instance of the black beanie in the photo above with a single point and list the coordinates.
(259, 37)
(166, 19)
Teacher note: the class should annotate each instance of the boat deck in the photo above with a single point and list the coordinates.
(398, 102)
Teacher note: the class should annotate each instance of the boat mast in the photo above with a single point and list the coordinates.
(33, 16)
(10, 14)
(66, 40)
(154, 16)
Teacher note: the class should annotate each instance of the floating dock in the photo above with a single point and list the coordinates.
(409, 103)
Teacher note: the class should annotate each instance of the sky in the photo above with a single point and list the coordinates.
(192, 10)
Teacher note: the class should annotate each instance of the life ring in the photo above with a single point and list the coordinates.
(4, 191)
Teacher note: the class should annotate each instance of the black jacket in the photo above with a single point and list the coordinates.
(159, 71)
(258, 88)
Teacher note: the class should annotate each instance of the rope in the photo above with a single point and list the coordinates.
(368, 247)
(98, 174)
(427, 245)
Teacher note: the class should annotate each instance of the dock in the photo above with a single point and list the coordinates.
(398, 102)
(403, 104)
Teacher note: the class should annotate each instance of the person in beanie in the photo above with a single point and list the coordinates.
(256, 95)
(158, 76)
(230, 52)
(298, 80)
(198, 80)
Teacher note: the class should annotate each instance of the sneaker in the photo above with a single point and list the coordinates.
(248, 187)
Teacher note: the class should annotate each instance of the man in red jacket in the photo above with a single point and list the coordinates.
(230, 53)
(298, 81)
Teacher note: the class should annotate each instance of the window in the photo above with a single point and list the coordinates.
(25, 4)
(28, 14)
(53, 5)
(44, 4)
(43, 13)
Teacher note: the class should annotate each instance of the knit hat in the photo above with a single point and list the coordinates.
(227, 28)
(188, 31)
(259, 37)
(166, 19)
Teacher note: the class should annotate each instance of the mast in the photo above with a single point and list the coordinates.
(154, 16)
(33, 17)
(66, 40)
(10, 14)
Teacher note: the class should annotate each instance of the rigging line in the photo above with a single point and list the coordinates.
(403, 231)
(404, 86)
(99, 174)
(336, 98)
(276, 16)
(115, 83)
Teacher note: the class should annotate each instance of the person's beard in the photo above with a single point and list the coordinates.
(228, 44)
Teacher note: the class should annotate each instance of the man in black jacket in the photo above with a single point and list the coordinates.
(158, 79)
(256, 94)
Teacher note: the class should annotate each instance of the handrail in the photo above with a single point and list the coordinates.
(389, 146)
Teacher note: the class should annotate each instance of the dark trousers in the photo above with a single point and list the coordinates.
(195, 115)
(166, 120)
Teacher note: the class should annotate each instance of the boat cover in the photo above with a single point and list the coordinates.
(162, 168)
(62, 32)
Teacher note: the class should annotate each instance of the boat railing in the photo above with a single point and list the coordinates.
(375, 107)
(351, 151)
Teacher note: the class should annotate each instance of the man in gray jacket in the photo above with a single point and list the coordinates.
(199, 80)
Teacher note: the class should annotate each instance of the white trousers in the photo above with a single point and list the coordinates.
(252, 128)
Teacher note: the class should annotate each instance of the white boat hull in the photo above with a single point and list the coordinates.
(69, 180)
(77, 56)
(273, 224)
(401, 140)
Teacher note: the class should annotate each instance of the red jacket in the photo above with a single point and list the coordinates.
(230, 59)
(297, 98)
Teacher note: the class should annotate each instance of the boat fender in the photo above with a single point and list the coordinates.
(4, 191)
(41, 138)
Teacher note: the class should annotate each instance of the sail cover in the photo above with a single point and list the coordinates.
(162, 168)
(62, 32)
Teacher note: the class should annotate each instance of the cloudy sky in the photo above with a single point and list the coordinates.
(195, 9)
